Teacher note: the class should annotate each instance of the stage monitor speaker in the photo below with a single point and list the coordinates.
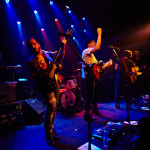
(33, 107)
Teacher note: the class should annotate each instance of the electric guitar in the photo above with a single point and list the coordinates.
(98, 69)
(133, 76)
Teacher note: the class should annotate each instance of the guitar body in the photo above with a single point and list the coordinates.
(133, 78)
(97, 70)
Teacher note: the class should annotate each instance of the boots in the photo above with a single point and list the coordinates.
(55, 135)
(49, 138)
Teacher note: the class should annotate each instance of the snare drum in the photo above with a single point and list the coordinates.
(68, 99)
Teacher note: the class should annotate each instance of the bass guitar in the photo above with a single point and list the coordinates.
(48, 82)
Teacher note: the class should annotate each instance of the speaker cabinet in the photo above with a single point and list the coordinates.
(33, 107)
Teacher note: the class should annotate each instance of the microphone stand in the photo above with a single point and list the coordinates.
(90, 74)
(126, 88)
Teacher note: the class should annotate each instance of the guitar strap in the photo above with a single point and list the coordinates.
(132, 78)
(125, 65)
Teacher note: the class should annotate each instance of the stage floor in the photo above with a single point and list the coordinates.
(70, 126)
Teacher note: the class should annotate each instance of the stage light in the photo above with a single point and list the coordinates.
(72, 26)
(18, 22)
(74, 38)
(35, 11)
(69, 11)
(51, 2)
(67, 7)
(23, 43)
(83, 18)
(84, 30)
(7, 1)
(56, 19)
(42, 29)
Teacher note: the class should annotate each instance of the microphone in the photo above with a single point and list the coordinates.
(67, 34)
(114, 47)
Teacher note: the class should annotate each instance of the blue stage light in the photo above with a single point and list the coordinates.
(18, 22)
(69, 11)
(84, 30)
(74, 38)
(83, 18)
(7, 1)
(72, 26)
(35, 11)
(51, 2)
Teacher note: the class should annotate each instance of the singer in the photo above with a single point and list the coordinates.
(91, 86)
(39, 70)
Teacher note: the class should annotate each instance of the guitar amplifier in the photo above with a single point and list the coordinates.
(8, 91)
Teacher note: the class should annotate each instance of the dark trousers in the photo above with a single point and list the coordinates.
(51, 102)
(123, 88)
(92, 94)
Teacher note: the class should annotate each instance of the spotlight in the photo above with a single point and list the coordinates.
(83, 18)
(23, 43)
(67, 7)
(35, 11)
(51, 2)
(18, 22)
(72, 26)
(56, 19)
(74, 38)
(7, 1)
(84, 30)
(42, 29)
(69, 11)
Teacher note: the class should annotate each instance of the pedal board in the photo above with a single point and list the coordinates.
(116, 131)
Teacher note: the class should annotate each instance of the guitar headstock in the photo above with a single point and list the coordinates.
(110, 62)
(69, 31)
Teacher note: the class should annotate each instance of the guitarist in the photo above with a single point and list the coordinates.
(38, 66)
(91, 86)
(125, 77)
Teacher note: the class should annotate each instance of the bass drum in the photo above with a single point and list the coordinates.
(68, 99)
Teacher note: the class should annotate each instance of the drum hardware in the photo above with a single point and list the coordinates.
(13, 69)
(76, 70)
(73, 76)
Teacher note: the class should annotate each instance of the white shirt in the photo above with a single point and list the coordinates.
(88, 58)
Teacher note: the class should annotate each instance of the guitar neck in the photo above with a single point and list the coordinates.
(105, 65)
(54, 59)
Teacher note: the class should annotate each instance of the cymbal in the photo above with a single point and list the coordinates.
(77, 70)
(73, 76)
(11, 67)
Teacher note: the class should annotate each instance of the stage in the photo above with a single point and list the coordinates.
(72, 129)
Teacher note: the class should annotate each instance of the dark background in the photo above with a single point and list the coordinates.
(125, 24)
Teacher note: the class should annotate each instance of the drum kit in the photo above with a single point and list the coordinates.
(70, 92)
